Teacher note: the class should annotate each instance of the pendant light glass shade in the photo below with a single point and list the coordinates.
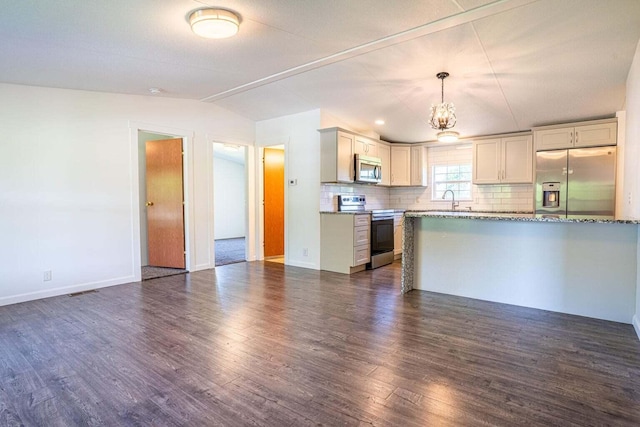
(214, 23)
(448, 136)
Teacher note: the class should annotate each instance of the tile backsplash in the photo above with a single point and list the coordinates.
(492, 198)
(377, 197)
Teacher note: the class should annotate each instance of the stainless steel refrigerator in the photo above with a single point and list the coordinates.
(576, 183)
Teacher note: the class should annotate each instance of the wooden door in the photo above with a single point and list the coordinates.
(273, 202)
(165, 209)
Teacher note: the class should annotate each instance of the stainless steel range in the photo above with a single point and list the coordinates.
(381, 237)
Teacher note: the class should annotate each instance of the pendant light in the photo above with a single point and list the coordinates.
(443, 116)
(214, 23)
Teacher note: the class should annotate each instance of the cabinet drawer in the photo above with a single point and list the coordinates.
(361, 255)
(360, 220)
(361, 235)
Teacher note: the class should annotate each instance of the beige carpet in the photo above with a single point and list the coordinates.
(149, 272)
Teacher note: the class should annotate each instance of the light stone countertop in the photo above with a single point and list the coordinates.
(511, 216)
(366, 212)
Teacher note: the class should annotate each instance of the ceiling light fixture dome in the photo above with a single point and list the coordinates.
(214, 23)
(443, 116)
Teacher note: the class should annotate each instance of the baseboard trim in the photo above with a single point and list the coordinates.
(636, 325)
(308, 265)
(201, 267)
(48, 293)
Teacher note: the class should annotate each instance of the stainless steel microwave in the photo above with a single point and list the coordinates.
(368, 169)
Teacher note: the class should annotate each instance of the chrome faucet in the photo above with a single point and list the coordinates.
(453, 199)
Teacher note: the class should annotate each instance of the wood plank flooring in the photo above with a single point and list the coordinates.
(266, 344)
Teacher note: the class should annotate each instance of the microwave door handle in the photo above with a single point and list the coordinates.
(377, 172)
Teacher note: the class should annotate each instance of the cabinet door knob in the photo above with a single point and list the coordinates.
(149, 203)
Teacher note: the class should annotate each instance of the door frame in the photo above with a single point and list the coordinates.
(249, 194)
(187, 172)
(261, 145)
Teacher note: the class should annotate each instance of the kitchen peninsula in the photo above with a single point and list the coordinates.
(582, 267)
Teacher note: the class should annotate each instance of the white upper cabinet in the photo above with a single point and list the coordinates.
(384, 152)
(503, 160)
(365, 146)
(336, 156)
(400, 165)
(408, 165)
(517, 160)
(419, 166)
(486, 161)
(554, 139)
(576, 135)
(595, 135)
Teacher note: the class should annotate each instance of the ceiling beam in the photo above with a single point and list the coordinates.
(451, 21)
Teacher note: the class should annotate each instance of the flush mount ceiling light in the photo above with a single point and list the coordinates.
(443, 116)
(379, 122)
(214, 23)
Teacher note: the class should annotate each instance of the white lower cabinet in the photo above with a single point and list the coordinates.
(345, 242)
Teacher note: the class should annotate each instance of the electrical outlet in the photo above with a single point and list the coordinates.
(47, 275)
(629, 198)
(305, 252)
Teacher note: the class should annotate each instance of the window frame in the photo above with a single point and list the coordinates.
(434, 186)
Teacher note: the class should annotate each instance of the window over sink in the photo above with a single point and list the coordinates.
(454, 177)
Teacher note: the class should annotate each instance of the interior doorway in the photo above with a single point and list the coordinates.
(230, 203)
(162, 221)
(273, 193)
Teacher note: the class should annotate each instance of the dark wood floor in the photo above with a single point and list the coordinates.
(264, 344)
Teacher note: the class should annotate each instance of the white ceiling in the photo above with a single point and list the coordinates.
(514, 64)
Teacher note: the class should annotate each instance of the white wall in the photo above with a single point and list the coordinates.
(229, 198)
(632, 140)
(300, 136)
(631, 159)
(69, 184)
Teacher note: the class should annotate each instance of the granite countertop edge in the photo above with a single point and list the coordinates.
(512, 216)
(367, 212)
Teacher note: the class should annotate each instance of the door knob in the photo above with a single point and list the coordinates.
(149, 203)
